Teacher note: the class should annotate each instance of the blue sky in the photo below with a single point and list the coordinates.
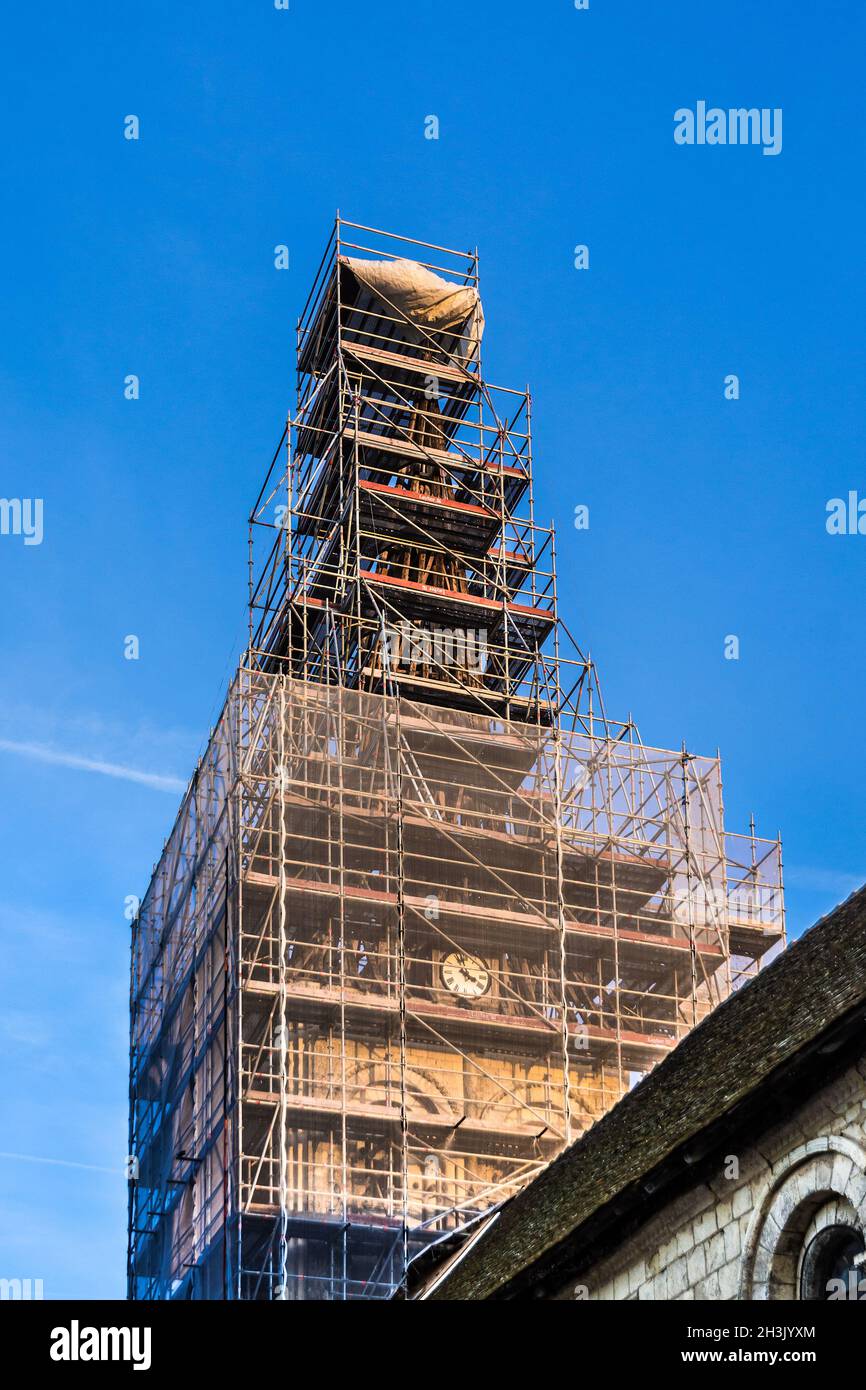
(156, 258)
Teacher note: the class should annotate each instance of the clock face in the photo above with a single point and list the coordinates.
(464, 975)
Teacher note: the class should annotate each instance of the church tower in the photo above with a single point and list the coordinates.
(426, 911)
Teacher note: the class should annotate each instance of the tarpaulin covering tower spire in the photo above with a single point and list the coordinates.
(426, 911)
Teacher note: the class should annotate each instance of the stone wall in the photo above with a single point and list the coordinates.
(741, 1234)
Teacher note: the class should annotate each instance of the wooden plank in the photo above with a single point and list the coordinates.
(424, 367)
(498, 916)
(447, 458)
(505, 1024)
(518, 610)
(416, 498)
(390, 1115)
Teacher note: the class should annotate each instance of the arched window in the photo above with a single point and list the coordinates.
(834, 1265)
(807, 1236)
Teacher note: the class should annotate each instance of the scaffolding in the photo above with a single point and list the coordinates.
(426, 913)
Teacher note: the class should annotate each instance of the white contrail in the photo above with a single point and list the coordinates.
(61, 1163)
(39, 751)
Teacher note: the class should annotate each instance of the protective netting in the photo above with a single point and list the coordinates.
(453, 942)
(181, 1043)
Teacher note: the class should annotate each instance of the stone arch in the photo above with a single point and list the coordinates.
(819, 1181)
